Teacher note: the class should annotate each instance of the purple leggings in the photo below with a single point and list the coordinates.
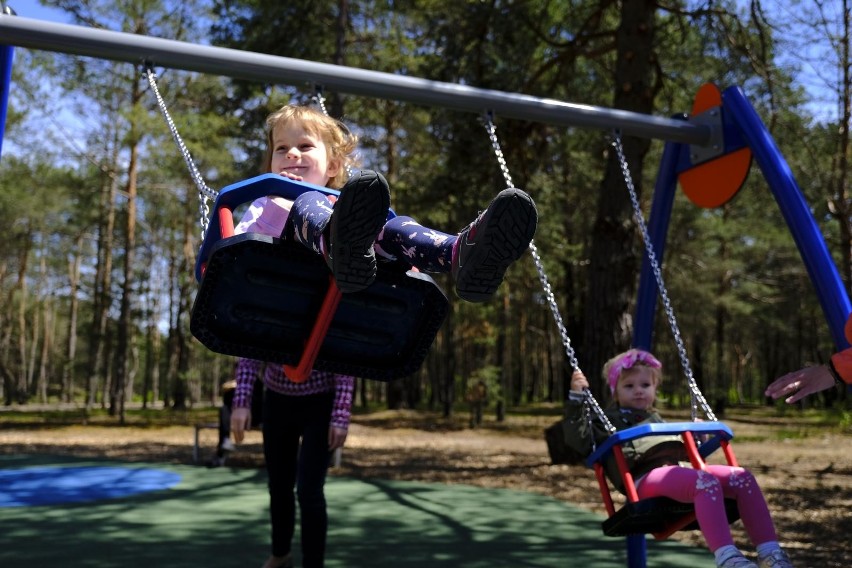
(705, 489)
(402, 239)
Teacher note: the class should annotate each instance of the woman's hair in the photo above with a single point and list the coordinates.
(339, 140)
(616, 367)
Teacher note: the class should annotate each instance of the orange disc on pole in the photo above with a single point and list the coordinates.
(713, 183)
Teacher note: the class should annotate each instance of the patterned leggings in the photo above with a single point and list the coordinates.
(707, 490)
(402, 239)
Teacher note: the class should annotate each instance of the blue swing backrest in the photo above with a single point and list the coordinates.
(717, 430)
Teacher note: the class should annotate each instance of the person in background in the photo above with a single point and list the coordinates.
(477, 397)
(225, 445)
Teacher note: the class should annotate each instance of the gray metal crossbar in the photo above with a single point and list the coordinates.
(132, 48)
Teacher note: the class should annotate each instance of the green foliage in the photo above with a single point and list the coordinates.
(744, 301)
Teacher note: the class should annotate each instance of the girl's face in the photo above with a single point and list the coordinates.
(301, 155)
(636, 389)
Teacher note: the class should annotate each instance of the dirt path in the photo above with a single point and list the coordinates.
(807, 477)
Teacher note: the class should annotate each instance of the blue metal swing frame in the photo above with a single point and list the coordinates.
(741, 128)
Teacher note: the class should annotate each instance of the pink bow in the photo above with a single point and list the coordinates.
(628, 361)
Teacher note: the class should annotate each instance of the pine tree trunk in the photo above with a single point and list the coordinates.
(125, 324)
(67, 393)
(615, 251)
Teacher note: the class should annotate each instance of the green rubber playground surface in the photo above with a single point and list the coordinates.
(218, 518)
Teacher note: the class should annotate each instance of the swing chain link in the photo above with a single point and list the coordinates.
(205, 193)
(589, 403)
(695, 393)
(318, 99)
(495, 144)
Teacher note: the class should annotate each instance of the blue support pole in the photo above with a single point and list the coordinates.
(658, 227)
(637, 551)
(7, 53)
(820, 266)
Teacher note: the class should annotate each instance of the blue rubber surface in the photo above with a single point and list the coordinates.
(33, 486)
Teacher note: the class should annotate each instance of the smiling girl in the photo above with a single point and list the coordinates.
(305, 145)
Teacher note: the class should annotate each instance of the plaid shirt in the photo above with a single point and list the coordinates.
(343, 386)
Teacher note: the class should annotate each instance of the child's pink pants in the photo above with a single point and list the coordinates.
(706, 490)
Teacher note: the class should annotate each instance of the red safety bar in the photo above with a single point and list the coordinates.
(301, 371)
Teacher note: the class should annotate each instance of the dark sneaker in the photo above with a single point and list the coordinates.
(496, 239)
(358, 216)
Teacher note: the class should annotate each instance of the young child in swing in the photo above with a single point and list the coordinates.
(660, 465)
(304, 144)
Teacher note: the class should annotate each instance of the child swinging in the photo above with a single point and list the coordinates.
(304, 144)
(660, 465)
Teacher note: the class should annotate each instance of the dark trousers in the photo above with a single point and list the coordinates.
(224, 428)
(291, 465)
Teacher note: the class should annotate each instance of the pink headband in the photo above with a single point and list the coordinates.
(628, 361)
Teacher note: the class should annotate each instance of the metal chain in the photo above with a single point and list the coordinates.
(204, 192)
(319, 100)
(695, 393)
(590, 404)
(495, 143)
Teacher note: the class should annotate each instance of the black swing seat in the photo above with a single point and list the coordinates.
(259, 298)
(659, 516)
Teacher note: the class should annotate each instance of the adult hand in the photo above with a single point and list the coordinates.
(336, 437)
(240, 422)
(801, 383)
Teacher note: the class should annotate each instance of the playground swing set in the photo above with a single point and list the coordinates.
(264, 299)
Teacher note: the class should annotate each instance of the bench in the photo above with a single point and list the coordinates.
(198, 427)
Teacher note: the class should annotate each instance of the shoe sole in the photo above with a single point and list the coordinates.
(503, 239)
(359, 214)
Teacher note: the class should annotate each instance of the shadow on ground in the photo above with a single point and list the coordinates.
(218, 518)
